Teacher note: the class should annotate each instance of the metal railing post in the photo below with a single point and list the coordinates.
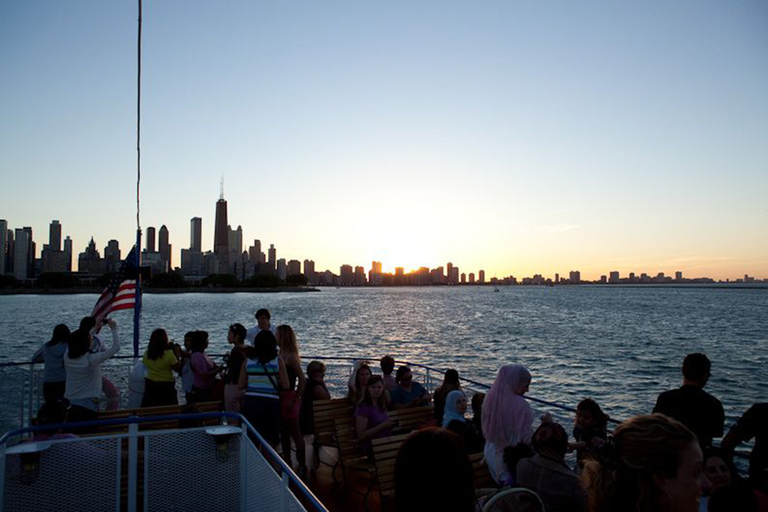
(286, 491)
(2, 477)
(133, 473)
(243, 467)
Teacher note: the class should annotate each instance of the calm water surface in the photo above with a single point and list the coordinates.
(619, 345)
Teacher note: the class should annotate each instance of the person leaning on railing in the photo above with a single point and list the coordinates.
(161, 359)
(83, 387)
(52, 354)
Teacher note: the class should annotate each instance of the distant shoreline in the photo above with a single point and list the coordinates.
(158, 291)
(303, 289)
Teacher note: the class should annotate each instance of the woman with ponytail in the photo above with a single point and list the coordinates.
(654, 464)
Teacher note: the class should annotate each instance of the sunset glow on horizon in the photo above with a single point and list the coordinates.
(510, 137)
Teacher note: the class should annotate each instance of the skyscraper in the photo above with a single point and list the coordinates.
(150, 239)
(164, 247)
(221, 235)
(3, 244)
(68, 253)
(112, 256)
(196, 234)
(254, 251)
(272, 261)
(23, 253)
(54, 237)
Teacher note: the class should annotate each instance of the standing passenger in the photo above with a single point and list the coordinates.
(204, 370)
(52, 354)
(691, 405)
(387, 365)
(262, 324)
(110, 391)
(161, 359)
(233, 394)
(83, 387)
(507, 419)
(290, 399)
(263, 376)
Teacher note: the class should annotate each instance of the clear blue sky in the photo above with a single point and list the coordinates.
(517, 137)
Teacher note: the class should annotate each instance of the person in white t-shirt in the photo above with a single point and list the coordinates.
(262, 319)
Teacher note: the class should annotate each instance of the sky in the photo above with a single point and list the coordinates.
(512, 136)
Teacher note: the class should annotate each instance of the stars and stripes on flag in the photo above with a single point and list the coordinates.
(120, 293)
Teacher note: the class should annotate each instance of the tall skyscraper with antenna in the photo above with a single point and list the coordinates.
(221, 233)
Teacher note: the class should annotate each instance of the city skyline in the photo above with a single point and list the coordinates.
(519, 138)
(156, 253)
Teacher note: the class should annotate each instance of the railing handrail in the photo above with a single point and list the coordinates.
(284, 467)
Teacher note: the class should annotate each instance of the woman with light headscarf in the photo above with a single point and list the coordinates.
(455, 421)
(507, 419)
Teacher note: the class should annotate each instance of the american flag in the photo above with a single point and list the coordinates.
(120, 293)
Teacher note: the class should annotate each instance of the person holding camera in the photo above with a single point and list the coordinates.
(161, 358)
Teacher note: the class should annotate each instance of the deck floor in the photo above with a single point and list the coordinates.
(341, 496)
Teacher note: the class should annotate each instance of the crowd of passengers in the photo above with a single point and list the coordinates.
(663, 461)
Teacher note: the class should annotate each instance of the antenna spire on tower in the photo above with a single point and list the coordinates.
(221, 189)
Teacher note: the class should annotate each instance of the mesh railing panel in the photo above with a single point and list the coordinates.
(188, 471)
(78, 475)
(262, 483)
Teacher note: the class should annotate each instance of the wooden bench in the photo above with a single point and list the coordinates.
(412, 418)
(325, 412)
(385, 451)
(352, 454)
(162, 410)
(480, 472)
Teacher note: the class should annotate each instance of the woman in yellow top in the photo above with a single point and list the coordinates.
(160, 359)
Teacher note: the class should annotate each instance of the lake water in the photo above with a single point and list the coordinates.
(619, 345)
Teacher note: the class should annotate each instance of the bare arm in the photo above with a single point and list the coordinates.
(300, 375)
(242, 380)
(282, 374)
(362, 430)
(100, 357)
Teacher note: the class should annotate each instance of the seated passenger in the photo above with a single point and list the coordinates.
(358, 382)
(589, 429)
(477, 412)
(450, 383)
(654, 465)
(371, 420)
(408, 393)
(547, 474)
(433, 472)
(454, 420)
(314, 390)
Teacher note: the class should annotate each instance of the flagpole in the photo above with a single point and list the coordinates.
(137, 306)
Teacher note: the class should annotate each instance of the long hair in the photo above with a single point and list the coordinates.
(433, 472)
(286, 340)
(381, 402)
(79, 344)
(238, 331)
(264, 347)
(593, 408)
(158, 343)
(60, 335)
(644, 447)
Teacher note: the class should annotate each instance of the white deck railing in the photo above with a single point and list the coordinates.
(203, 468)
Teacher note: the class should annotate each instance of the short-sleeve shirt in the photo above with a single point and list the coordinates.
(159, 370)
(201, 363)
(375, 417)
(696, 409)
(401, 396)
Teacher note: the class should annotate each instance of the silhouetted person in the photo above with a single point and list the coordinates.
(691, 405)
(754, 423)
(262, 324)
